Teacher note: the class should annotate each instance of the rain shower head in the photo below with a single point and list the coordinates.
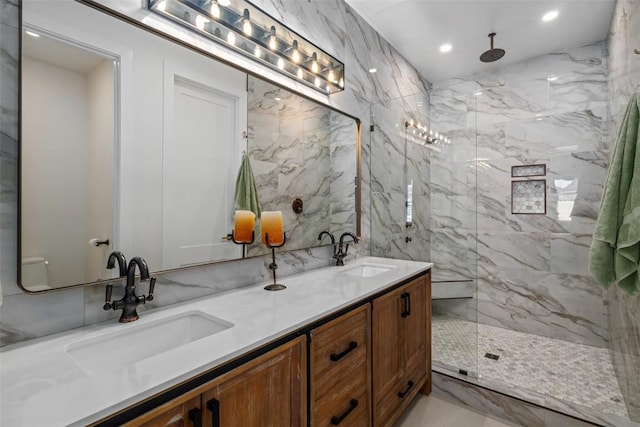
(492, 54)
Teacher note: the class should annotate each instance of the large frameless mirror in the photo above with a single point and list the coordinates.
(133, 142)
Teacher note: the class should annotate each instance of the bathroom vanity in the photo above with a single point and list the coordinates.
(339, 346)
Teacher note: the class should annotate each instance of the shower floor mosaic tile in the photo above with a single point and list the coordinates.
(575, 373)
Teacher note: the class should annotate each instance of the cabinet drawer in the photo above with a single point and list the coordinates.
(346, 402)
(338, 349)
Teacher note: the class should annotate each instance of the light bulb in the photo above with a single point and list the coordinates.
(257, 52)
(273, 41)
(315, 68)
(295, 54)
(231, 38)
(214, 9)
(201, 21)
(341, 82)
(246, 23)
(328, 89)
(317, 82)
(280, 63)
(300, 73)
(331, 76)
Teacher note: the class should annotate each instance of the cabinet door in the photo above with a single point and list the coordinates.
(269, 391)
(415, 329)
(386, 353)
(183, 411)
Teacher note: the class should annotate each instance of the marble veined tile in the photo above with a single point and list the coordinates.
(570, 253)
(526, 251)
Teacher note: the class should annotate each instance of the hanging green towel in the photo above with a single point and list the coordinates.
(246, 197)
(615, 252)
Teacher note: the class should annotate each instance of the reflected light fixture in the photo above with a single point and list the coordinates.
(248, 30)
(32, 34)
(446, 48)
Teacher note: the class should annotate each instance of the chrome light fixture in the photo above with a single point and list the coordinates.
(246, 29)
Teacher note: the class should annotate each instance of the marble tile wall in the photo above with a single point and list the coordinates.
(624, 310)
(293, 159)
(400, 159)
(331, 24)
(532, 269)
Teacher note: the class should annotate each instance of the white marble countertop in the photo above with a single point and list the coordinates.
(40, 385)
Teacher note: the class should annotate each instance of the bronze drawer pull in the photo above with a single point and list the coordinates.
(402, 394)
(195, 415)
(352, 346)
(337, 420)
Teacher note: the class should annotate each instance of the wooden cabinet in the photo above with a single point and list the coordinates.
(364, 369)
(400, 347)
(269, 391)
(185, 411)
(339, 367)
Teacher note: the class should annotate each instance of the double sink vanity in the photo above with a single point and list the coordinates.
(339, 346)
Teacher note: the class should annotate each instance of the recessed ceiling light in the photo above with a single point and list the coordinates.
(552, 78)
(550, 16)
(372, 70)
(446, 48)
(32, 34)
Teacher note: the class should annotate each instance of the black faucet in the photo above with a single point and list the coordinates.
(130, 301)
(333, 240)
(341, 255)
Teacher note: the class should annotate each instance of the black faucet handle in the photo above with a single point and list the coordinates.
(152, 286)
(107, 299)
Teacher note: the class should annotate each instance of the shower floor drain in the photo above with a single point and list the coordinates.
(492, 356)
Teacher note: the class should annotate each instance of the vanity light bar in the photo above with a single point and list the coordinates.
(245, 28)
(423, 132)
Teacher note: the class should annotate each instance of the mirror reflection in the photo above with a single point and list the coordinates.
(68, 144)
(133, 143)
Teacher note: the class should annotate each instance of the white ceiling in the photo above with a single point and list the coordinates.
(417, 28)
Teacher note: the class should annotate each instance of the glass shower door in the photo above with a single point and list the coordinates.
(423, 208)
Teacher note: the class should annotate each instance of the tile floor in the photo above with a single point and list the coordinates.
(432, 411)
(575, 373)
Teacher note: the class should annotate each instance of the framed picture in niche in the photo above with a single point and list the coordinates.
(529, 197)
(528, 170)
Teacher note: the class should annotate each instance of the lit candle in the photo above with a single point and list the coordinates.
(271, 224)
(244, 224)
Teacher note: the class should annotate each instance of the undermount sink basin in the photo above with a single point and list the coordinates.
(368, 270)
(116, 350)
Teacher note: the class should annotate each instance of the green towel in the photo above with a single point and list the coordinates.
(614, 256)
(246, 197)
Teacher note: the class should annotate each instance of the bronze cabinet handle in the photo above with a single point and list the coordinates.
(195, 415)
(402, 394)
(353, 404)
(213, 405)
(352, 346)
